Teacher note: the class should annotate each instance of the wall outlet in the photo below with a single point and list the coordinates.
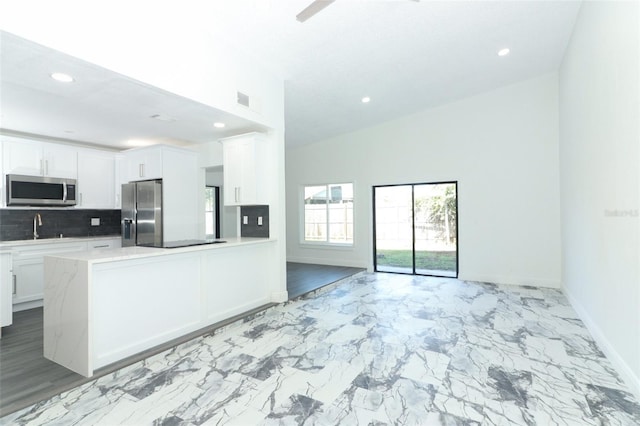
(95, 221)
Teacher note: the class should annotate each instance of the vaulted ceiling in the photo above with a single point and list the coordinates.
(405, 55)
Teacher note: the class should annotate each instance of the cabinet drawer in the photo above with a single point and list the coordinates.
(47, 250)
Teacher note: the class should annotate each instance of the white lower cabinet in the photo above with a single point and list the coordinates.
(6, 290)
(27, 281)
(111, 308)
(28, 271)
(250, 287)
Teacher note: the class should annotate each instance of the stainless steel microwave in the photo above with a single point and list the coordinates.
(40, 191)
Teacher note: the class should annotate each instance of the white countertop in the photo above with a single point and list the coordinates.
(7, 244)
(137, 252)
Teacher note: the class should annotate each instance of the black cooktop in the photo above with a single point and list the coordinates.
(189, 243)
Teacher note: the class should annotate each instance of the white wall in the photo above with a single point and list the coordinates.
(501, 147)
(599, 158)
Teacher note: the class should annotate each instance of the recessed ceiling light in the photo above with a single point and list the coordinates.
(504, 52)
(366, 100)
(137, 142)
(218, 125)
(62, 77)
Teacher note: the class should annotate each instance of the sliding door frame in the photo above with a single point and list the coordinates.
(413, 227)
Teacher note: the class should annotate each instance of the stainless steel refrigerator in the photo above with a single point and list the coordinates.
(142, 213)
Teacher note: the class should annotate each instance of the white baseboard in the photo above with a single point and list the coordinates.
(510, 280)
(632, 381)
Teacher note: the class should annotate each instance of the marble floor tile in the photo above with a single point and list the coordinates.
(373, 349)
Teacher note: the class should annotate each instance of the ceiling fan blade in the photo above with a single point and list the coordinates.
(312, 9)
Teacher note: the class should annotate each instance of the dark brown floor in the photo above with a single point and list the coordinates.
(304, 277)
(23, 369)
(27, 377)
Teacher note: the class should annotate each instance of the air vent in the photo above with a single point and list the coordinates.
(243, 99)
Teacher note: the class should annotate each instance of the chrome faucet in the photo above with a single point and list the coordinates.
(37, 220)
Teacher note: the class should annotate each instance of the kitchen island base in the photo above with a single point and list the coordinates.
(101, 309)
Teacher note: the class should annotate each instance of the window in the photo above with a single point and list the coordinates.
(328, 214)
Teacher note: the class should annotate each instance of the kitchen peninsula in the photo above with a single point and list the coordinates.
(105, 305)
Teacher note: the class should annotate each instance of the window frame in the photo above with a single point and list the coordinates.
(413, 242)
(216, 211)
(302, 224)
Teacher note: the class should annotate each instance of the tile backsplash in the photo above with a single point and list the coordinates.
(17, 224)
(252, 229)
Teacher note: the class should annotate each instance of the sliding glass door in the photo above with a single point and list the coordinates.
(416, 229)
(393, 228)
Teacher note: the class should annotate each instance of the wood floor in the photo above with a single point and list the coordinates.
(304, 277)
(24, 372)
(27, 377)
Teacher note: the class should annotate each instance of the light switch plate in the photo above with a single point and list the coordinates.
(259, 220)
(245, 220)
(95, 221)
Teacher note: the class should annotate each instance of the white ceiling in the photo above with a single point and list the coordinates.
(103, 108)
(406, 55)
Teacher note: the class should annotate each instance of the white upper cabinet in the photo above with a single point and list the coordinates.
(22, 158)
(181, 195)
(143, 164)
(26, 157)
(245, 163)
(233, 160)
(60, 161)
(120, 178)
(179, 171)
(96, 179)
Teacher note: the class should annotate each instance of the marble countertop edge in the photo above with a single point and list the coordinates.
(137, 252)
(13, 243)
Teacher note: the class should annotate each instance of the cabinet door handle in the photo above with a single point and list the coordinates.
(141, 169)
(46, 167)
(80, 198)
(103, 246)
(239, 194)
(15, 284)
(42, 167)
